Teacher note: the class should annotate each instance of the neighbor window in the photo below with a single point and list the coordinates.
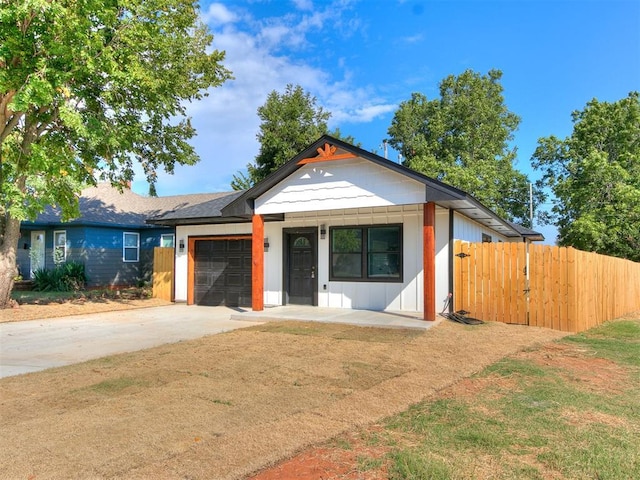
(59, 246)
(131, 247)
(486, 238)
(366, 253)
(167, 240)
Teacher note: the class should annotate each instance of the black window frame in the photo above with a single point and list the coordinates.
(364, 254)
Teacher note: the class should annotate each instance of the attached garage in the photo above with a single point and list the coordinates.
(221, 271)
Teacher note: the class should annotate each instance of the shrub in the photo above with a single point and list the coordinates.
(66, 277)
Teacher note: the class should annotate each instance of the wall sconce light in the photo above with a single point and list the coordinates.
(266, 244)
(323, 231)
(181, 245)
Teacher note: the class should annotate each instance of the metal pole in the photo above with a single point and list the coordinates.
(530, 205)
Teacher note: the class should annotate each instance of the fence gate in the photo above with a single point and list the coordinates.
(490, 281)
(163, 273)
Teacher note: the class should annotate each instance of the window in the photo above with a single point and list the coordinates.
(131, 247)
(167, 240)
(486, 238)
(370, 254)
(59, 246)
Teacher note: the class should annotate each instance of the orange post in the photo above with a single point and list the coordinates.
(429, 260)
(257, 263)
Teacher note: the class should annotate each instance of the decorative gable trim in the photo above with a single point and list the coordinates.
(327, 154)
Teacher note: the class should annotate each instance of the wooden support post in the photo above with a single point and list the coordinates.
(257, 263)
(429, 260)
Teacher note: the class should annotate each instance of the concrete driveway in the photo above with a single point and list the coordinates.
(40, 344)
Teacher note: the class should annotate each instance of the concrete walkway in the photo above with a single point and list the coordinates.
(363, 318)
(36, 345)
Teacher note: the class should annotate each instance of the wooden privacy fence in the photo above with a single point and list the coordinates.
(163, 273)
(540, 285)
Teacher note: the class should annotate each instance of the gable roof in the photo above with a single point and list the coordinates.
(435, 191)
(105, 205)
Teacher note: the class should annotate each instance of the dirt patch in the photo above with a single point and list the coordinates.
(227, 405)
(81, 306)
(577, 366)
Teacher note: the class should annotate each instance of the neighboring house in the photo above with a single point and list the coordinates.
(334, 227)
(110, 237)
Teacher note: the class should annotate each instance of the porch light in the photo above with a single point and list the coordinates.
(266, 244)
(323, 231)
(181, 245)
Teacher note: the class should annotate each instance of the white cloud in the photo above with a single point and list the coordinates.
(218, 14)
(303, 4)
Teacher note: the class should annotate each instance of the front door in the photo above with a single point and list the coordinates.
(300, 266)
(36, 254)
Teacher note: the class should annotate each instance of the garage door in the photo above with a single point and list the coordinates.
(222, 270)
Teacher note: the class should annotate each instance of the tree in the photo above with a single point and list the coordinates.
(88, 88)
(462, 138)
(290, 122)
(595, 177)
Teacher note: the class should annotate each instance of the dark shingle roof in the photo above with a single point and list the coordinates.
(106, 205)
(209, 211)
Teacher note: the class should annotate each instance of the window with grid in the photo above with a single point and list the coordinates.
(366, 253)
(131, 247)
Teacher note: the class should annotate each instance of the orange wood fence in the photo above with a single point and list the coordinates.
(163, 273)
(540, 285)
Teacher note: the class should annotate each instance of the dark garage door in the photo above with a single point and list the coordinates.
(222, 270)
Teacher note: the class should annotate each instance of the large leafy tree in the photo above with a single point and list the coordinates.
(462, 138)
(595, 177)
(87, 89)
(290, 121)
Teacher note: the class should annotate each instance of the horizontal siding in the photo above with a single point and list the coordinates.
(471, 231)
(105, 267)
(100, 250)
(332, 185)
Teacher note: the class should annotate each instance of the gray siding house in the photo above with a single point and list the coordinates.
(110, 237)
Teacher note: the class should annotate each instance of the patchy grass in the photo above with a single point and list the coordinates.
(565, 410)
(616, 341)
(531, 420)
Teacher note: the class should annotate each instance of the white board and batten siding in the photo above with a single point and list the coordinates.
(406, 296)
(348, 193)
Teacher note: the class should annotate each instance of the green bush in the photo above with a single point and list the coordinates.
(66, 277)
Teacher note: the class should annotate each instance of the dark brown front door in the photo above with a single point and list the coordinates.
(301, 266)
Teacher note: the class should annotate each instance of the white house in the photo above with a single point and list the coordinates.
(336, 227)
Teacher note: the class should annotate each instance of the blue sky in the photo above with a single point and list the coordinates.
(361, 58)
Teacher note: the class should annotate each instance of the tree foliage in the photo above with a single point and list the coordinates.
(595, 177)
(462, 138)
(87, 89)
(289, 123)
